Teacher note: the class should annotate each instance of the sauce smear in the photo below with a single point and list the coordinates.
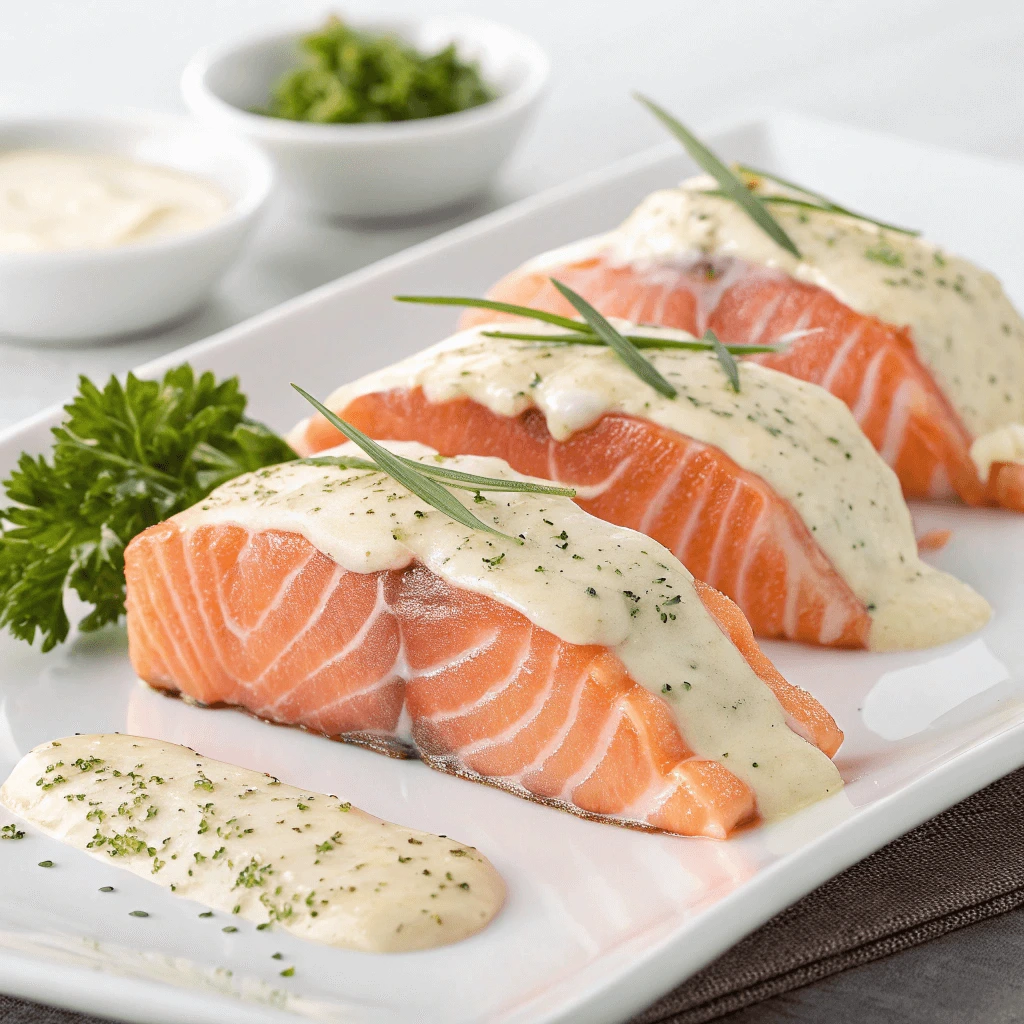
(242, 842)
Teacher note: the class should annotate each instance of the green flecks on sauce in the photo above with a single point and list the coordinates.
(803, 442)
(964, 327)
(255, 848)
(581, 600)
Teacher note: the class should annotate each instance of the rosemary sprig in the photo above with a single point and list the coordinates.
(498, 307)
(452, 477)
(732, 371)
(732, 186)
(826, 204)
(624, 349)
(639, 340)
(418, 479)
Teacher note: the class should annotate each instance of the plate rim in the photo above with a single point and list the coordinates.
(653, 970)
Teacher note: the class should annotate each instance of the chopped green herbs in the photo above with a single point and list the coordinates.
(46, 863)
(11, 832)
(253, 874)
(883, 252)
(138, 913)
(354, 77)
(124, 458)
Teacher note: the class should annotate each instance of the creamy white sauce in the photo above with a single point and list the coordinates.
(964, 327)
(54, 200)
(796, 436)
(241, 842)
(584, 580)
(1006, 444)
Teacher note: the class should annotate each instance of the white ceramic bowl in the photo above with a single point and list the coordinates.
(378, 170)
(81, 294)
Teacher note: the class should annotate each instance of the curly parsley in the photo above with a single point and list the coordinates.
(125, 458)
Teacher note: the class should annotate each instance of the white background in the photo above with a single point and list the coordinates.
(945, 71)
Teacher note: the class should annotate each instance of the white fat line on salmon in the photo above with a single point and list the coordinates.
(525, 720)
(326, 593)
(557, 741)
(896, 421)
(657, 504)
(838, 360)
(172, 656)
(493, 691)
(755, 333)
(865, 403)
(660, 789)
(832, 623)
(201, 607)
(690, 525)
(380, 607)
(796, 570)
(598, 752)
(587, 492)
(939, 484)
(276, 602)
(198, 663)
(756, 535)
(438, 668)
(387, 678)
(141, 623)
(722, 534)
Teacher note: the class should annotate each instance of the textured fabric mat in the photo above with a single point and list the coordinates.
(963, 866)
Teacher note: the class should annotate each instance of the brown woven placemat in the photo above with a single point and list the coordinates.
(963, 866)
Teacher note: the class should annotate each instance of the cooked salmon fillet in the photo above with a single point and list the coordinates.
(561, 658)
(768, 491)
(869, 364)
(726, 525)
(266, 622)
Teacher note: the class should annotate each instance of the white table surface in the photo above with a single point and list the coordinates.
(944, 71)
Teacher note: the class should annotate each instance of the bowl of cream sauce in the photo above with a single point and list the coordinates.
(117, 225)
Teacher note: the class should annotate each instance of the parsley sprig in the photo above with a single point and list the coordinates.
(124, 458)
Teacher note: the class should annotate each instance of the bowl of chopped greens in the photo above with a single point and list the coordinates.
(376, 119)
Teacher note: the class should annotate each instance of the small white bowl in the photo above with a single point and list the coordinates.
(378, 170)
(79, 294)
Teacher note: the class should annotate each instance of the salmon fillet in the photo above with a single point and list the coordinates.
(870, 365)
(726, 525)
(405, 662)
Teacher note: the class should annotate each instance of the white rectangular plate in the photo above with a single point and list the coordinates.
(600, 921)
